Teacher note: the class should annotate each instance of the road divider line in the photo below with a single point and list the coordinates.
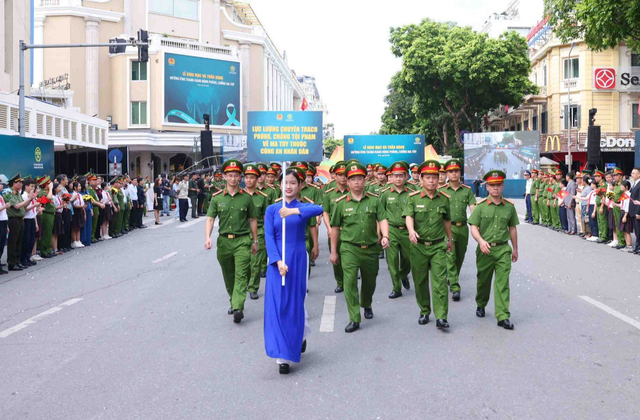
(612, 311)
(166, 257)
(6, 333)
(191, 223)
(328, 319)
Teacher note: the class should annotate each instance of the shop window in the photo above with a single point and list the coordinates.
(138, 113)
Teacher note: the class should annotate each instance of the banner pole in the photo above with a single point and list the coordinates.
(284, 230)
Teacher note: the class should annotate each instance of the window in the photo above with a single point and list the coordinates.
(635, 118)
(138, 71)
(544, 75)
(544, 122)
(534, 122)
(519, 127)
(573, 116)
(571, 68)
(635, 60)
(185, 9)
(535, 78)
(138, 113)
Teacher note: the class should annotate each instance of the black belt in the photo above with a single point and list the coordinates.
(233, 235)
(49, 212)
(16, 217)
(429, 243)
(361, 246)
(459, 224)
(498, 243)
(401, 227)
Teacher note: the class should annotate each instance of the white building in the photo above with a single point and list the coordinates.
(519, 16)
(310, 89)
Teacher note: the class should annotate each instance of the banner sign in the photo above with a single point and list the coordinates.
(512, 152)
(610, 142)
(194, 86)
(616, 79)
(27, 156)
(285, 136)
(385, 149)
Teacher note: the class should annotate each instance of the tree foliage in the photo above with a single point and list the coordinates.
(330, 145)
(601, 24)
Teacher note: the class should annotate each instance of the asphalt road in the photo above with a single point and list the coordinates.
(115, 331)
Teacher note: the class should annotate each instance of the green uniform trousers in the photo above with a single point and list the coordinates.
(455, 258)
(535, 210)
(44, 244)
(555, 216)
(603, 225)
(337, 269)
(498, 262)
(257, 261)
(356, 258)
(14, 243)
(234, 256)
(544, 211)
(617, 216)
(127, 214)
(94, 223)
(432, 259)
(398, 255)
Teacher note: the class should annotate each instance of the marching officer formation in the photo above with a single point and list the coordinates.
(409, 212)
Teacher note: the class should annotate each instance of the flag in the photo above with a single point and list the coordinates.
(562, 194)
(304, 105)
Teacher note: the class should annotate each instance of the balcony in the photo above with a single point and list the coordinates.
(570, 83)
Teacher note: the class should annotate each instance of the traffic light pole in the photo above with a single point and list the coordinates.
(24, 47)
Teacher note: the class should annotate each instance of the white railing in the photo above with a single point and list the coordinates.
(571, 83)
(191, 46)
(45, 3)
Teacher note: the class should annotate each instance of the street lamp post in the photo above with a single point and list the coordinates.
(569, 161)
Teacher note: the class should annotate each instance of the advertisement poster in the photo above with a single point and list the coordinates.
(385, 149)
(285, 136)
(508, 151)
(194, 86)
(28, 156)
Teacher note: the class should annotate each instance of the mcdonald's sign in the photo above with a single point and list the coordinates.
(555, 141)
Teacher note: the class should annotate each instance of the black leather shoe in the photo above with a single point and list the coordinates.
(304, 346)
(312, 263)
(395, 294)
(338, 289)
(230, 311)
(24, 267)
(263, 275)
(284, 369)
(423, 320)
(15, 268)
(480, 312)
(47, 255)
(351, 327)
(237, 316)
(405, 283)
(253, 295)
(456, 296)
(506, 324)
(381, 256)
(442, 324)
(368, 313)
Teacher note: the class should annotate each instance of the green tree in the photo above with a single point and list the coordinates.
(330, 145)
(601, 23)
(446, 68)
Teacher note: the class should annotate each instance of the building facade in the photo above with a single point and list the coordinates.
(201, 54)
(315, 102)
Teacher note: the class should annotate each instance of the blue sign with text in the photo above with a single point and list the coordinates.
(27, 156)
(284, 136)
(385, 149)
(194, 86)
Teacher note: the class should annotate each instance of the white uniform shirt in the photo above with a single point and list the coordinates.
(132, 192)
(29, 214)
(3, 213)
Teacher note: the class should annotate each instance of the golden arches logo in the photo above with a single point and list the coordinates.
(38, 154)
(554, 140)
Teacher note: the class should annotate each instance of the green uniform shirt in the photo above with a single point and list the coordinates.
(312, 193)
(192, 184)
(535, 185)
(234, 212)
(556, 189)
(50, 207)
(271, 193)
(459, 200)
(329, 185)
(617, 193)
(428, 214)
(376, 188)
(358, 219)
(260, 202)
(120, 197)
(330, 197)
(394, 203)
(13, 199)
(278, 191)
(494, 220)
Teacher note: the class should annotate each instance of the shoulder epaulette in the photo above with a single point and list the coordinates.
(260, 192)
(445, 194)
(314, 186)
(278, 200)
(340, 198)
(414, 193)
(309, 200)
(273, 188)
(445, 185)
(385, 189)
(509, 201)
(329, 190)
(465, 186)
(216, 193)
(481, 201)
(375, 195)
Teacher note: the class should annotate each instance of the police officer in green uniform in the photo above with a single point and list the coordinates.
(262, 185)
(460, 197)
(380, 182)
(493, 223)
(15, 224)
(601, 208)
(535, 186)
(272, 175)
(617, 193)
(555, 209)
(237, 235)
(193, 195)
(328, 205)
(332, 182)
(260, 202)
(394, 199)
(48, 214)
(97, 205)
(355, 221)
(310, 193)
(127, 205)
(428, 219)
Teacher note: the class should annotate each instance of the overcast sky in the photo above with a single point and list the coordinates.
(345, 45)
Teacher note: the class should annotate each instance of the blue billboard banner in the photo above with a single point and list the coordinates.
(28, 156)
(385, 149)
(285, 136)
(194, 86)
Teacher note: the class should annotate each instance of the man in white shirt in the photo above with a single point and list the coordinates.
(527, 196)
(4, 221)
(30, 224)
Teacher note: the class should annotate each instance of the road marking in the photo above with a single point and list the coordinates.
(6, 333)
(328, 314)
(611, 311)
(166, 257)
(168, 222)
(191, 223)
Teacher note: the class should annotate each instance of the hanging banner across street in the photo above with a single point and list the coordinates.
(385, 149)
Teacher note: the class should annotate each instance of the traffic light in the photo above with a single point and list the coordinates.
(143, 50)
(117, 49)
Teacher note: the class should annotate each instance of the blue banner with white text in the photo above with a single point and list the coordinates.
(25, 155)
(385, 149)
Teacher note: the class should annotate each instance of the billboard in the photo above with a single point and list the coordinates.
(616, 79)
(385, 149)
(28, 156)
(194, 86)
(285, 136)
(512, 152)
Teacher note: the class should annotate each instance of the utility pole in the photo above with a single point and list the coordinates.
(569, 161)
